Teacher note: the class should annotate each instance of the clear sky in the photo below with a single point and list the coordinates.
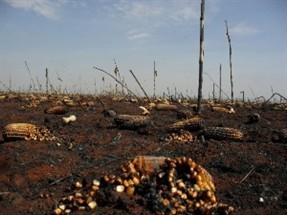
(69, 37)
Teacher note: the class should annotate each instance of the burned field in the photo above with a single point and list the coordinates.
(244, 151)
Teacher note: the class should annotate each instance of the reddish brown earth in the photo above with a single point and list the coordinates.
(34, 175)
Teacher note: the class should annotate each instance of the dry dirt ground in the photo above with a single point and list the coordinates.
(249, 175)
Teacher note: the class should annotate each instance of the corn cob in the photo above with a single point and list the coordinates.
(253, 118)
(192, 124)
(280, 135)
(227, 109)
(173, 185)
(26, 131)
(70, 103)
(183, 114)
(149, 165)
(59, 109)
(131, 121)
(221, 133)
(19, 131)
(165, 107)
(109, 113)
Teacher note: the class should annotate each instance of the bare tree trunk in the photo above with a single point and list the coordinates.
(230, 61)
(201, 54)
(220, 89)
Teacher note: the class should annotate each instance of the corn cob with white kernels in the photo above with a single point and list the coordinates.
(26, 131)
(221, 133)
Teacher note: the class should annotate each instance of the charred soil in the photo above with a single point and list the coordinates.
(249, 175)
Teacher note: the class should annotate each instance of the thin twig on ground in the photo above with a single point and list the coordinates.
(59, 180)
(4, 193)
(243, 179)
(102, 103)
(116, 140)
(205, 143)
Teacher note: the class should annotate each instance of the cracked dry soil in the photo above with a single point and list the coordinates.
(34, 175)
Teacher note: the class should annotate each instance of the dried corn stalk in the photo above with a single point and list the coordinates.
(221, 133)
(26, 131)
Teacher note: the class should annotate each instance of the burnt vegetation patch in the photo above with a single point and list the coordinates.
(37, 174)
